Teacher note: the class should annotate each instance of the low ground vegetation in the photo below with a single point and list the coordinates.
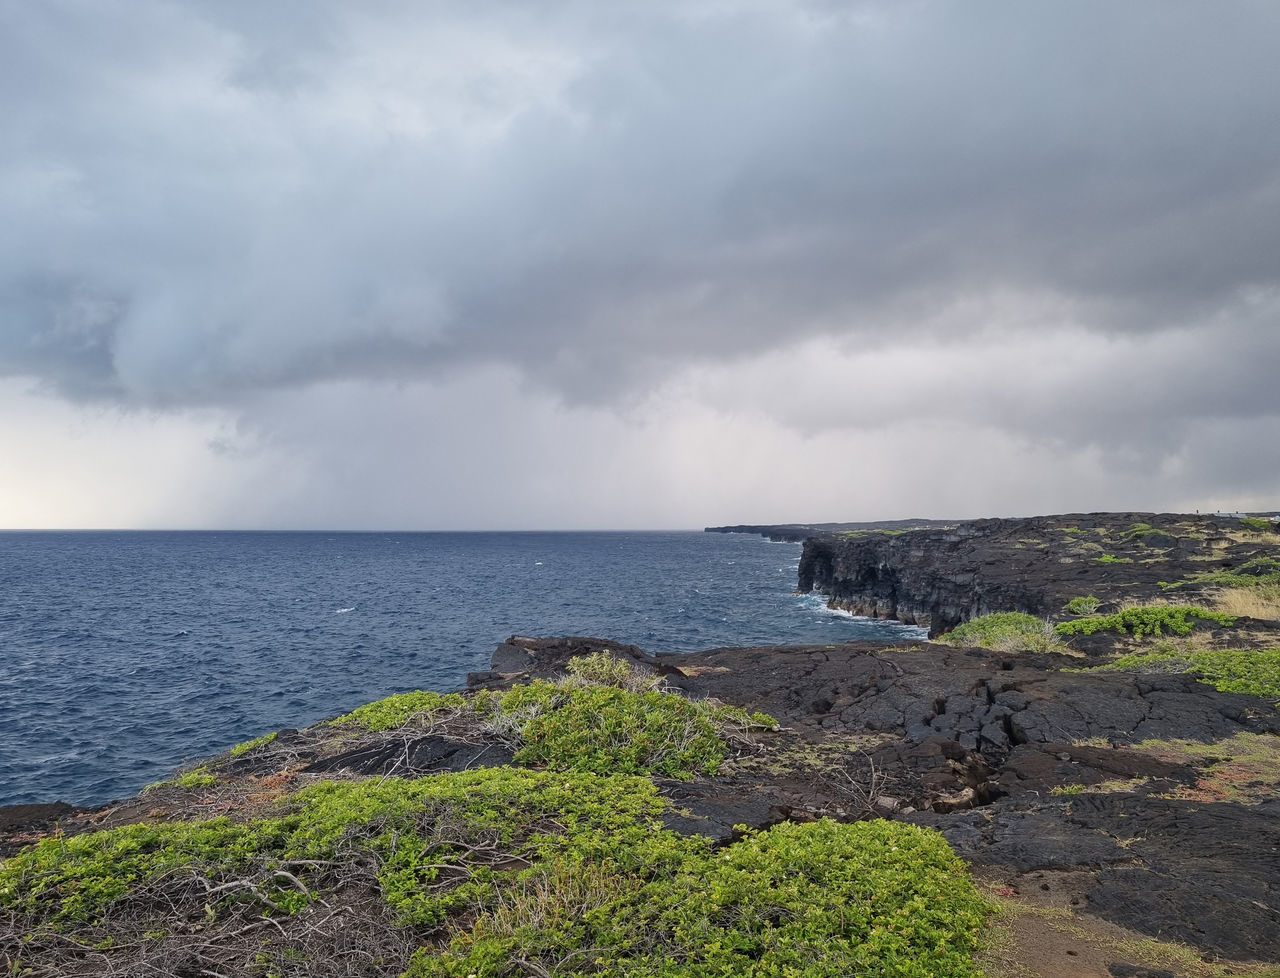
(1085, 604)
(579, 724)
(1244, 768)
(1023, 930)
(1252, 671)
(823, 898)
(1006, 631)
(196, 777)
(1256, 524)
(1146, 620)
(1255, 573)
(565, 870)
(253, 744)
(1261, 601)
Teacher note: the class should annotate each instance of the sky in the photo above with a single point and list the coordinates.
(571, 265)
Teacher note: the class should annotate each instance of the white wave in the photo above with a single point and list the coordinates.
(343, 611)
(816, 602)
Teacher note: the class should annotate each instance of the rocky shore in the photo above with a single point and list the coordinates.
(1116, 796)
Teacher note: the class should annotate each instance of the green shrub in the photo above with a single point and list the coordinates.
(399, 709)
(604, 889)
(603, 668)
(1004, 631)
(1113, 559)
(411, 830)
(577, 725)
(1155, 662)
(1252, 671)
(1067, 789)
(197, 778)
(1176, 619)
(1084, 605)
(604, 729)
(815, 900)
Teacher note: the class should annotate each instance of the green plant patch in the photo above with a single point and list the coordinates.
(1156, 662)
(1243, 768)
(249, 745)
(1252, 671)
(603, 668)
(1146, 620)
(1085, 604)
(1112, 559)
(508, 871)
(1257, 525)
(421, 834)
(1004, 631)
(1258, 572)
(76, 879)
(605, 729)
(197, 777)
(579, 724)
(400, 709)
(815, 900)
(890, 532)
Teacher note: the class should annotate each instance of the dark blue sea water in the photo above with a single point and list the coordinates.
(122, 654)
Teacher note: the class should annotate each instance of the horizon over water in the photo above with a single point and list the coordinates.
(125, 653)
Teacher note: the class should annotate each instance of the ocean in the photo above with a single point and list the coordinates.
(124, 654)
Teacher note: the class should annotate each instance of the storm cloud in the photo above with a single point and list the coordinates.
(459, 241)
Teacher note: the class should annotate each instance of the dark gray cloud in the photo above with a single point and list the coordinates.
(209, 204)
(251, 195)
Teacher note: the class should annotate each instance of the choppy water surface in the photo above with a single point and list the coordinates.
(122, 654)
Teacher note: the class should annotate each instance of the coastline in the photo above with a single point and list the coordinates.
(1123, 797)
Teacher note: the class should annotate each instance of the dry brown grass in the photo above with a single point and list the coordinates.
(1249, 602)
(1124, 604)
(1252, 537)
(1026, 940)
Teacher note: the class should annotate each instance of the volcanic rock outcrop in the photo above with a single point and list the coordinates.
(1029, 768)
(938, 577)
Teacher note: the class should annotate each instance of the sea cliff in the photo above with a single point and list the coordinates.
(939, 577)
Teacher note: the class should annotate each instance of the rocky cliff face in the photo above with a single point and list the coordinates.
(920, 578)
(940, 577)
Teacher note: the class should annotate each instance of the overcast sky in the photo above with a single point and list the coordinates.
(309, 263)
